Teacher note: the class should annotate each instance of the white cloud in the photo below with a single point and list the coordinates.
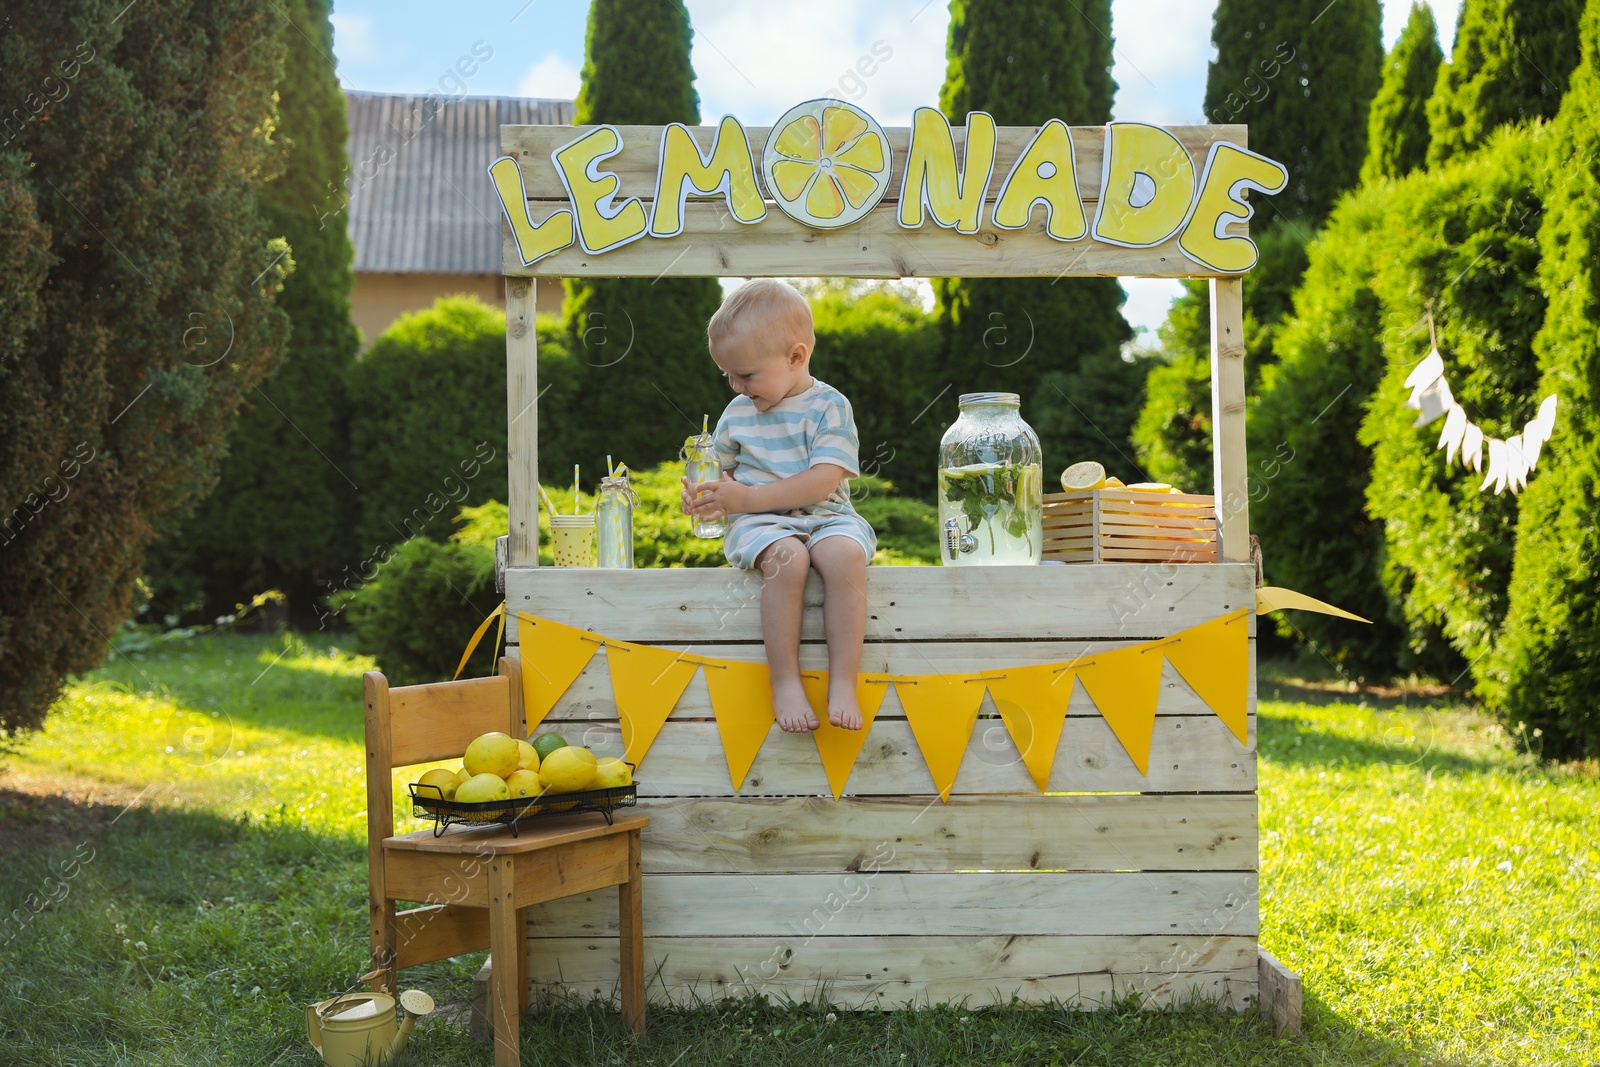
(552, 78)
(1162, 48)
(757, 61)
(1148, 302)
(353, 41)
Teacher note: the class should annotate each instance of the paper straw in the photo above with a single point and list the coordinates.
(610, 470)
(705, 422)
(575, 489)
(549, 505)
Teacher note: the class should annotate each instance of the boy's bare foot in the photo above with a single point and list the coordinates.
(844, 710)
(792, 709)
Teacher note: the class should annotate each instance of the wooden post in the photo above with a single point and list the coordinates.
(522, 421)
(1230, 465)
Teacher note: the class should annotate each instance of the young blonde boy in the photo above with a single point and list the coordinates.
(788, 449)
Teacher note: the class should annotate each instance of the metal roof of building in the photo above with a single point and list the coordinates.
(420, 197)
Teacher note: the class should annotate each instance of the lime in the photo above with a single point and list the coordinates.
(545, 744)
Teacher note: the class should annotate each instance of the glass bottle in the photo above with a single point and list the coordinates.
(991, 485)
(700, 465)
(613, 511)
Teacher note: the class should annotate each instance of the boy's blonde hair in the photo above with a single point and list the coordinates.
(767, 305)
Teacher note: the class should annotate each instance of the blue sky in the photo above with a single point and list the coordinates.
(755, 59)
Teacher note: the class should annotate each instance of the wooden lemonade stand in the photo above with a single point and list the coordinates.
(1118, 880)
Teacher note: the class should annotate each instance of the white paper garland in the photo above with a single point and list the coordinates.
(1510, 461)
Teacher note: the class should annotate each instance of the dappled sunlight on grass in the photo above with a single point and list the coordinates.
(1437, 891)
(1430, 883)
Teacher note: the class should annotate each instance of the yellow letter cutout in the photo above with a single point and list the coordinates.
(1146, 186)
(601, 225)
(1045, 174)
(931, 179)
(1229, 170)
(534, 240)
(728, 169)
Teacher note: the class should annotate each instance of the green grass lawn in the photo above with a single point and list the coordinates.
(184, 856)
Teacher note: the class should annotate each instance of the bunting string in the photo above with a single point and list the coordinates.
(1124, 684)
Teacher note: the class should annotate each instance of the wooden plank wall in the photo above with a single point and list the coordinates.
(1129, 884)
(713, 244)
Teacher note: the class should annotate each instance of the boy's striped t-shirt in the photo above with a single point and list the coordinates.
(797, 433)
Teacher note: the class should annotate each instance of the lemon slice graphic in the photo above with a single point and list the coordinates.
(826, 163)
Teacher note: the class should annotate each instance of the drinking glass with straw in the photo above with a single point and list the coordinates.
(571, 536)
(700, 466)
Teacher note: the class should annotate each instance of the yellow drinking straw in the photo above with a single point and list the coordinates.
(575, 489)
(549, 505)
(610, 470)
(705, 422)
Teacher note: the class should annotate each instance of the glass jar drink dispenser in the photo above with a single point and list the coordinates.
(991, 485)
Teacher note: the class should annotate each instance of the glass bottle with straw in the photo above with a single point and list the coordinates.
(700, 466)
(613, 510)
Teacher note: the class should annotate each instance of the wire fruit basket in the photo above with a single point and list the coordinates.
(428, 802)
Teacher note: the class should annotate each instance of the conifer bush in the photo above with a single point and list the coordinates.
(1544, 671)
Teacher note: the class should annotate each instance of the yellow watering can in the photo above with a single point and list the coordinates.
(359, 1029)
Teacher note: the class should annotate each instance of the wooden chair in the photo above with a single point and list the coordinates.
(476, 882)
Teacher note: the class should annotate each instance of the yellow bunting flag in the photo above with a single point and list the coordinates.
(1276, 598)
(837, 746)
(1033, 703)
(1214, 658)
(647, 682)
(553, 655)
(741, 697)
(1124, 685)
(942, 710)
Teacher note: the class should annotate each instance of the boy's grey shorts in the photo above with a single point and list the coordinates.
(749, 535)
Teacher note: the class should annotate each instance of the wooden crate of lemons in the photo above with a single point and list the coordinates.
(497, 766)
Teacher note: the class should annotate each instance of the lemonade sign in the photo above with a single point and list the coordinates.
(827, 164)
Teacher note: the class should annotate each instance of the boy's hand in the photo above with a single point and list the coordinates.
(716, 500)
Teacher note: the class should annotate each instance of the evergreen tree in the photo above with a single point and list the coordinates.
(1308, 471)
(1052, 341)
(137, 222)
(284, 510)
(1510, 63)
(1306, 105)
(1545, 668)
(1464, 249)
(640, 343)
(1173, 431)
(1302, 74)
(1397, 126)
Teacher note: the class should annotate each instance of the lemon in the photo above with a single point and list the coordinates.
(1150, 487)
(612, 772)
(527, 757)
(1113, 482)
(1085, 475)
(444, 780)
(826, 163)
(481, 787)
(491, 753)
(567, 770)
(545, 744)
(462, 776)
(523, 783)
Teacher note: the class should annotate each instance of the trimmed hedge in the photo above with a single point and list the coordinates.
(1461, 240)
(1544, 672)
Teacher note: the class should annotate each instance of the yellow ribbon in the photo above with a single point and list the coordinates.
(472, 646)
